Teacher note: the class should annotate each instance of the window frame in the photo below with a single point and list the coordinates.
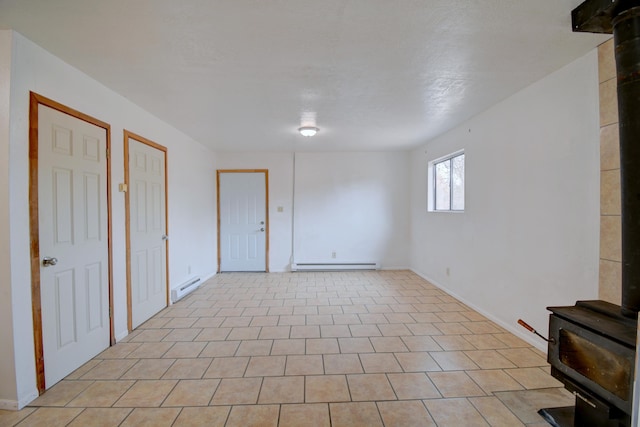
(431, 178)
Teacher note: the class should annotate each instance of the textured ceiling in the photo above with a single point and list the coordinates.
(241, 74)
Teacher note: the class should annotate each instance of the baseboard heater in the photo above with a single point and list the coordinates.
(334, 266)
(185, 289)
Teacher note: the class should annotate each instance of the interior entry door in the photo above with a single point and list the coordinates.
(243, 220)
(73, 241)
(147, 229)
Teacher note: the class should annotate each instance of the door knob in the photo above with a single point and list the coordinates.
(261, 222)
(262, 229)
(49, 261)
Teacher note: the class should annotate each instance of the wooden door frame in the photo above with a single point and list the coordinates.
(127, 209)
(35, 100)
(266, 219)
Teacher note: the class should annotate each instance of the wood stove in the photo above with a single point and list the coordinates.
(592, 344)
(592, 352)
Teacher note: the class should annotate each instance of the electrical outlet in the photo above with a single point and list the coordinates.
(448, 271)
(333, 254)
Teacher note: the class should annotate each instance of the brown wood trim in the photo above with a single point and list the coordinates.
(127, 136)
(266, 183)
(36, 303)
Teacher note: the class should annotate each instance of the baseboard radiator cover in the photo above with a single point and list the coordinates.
(334, 266)
(185, 289)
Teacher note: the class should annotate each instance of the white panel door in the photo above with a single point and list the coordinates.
(243, 215)
(72, 215)
(147, 231)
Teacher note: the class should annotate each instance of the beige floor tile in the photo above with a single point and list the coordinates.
(346, 319)
(213, 334)
(495, 412)
(511, 340)
(413, 386)
(109, 369)
(192, 393)
(101, 394)
(282, 390)
(524, 357)
(494, 380)
(292, 320)
(388, 344)
(342, 364)
(421, 343)
(423, 328)
(310, 331)
(148, 369)
(150, 350)
(83, 369)
(394, 330)
(187, 369)
(274, 332)
(379, 362)
(532, 378)
(367, 387)
(405, 414)
(150, 335)
(322, 346)
(185, 350)
(11, 418)
(455, 384)
(334, 331)
(263, 320)
(146, 393)
(417, 361)
(220, 349)
(483, 327)
(373, 318)
(61, 393)
(326, 388)
(489, 359)
(180, 322)
(244, 333)
(355, 414)
(100, 417)
(50, 417)
(151, 417)
(304, 365)
(309, 414)
(266, 366)
(355, 345)
(364, 331)
(254, 348)
(288, 346)
(177, 335)
(118, 351)
(453, 360)
(455, 413)
(237, 391)
(485, 342)
(254, 416)
(453, 342)
(450, 317)
(227, 367)
(213, 416)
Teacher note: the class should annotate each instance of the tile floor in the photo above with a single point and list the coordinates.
(307, 349)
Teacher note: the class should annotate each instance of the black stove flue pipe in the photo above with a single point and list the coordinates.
(622, 17)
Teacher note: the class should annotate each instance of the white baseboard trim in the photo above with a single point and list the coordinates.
(511, 328)
(9, 405)
(16, 405)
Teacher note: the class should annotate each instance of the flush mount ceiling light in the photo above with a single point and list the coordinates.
(308, 130)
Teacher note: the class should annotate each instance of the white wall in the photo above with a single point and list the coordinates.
(191, 192)
(280, 166)
(353, 204)
(7, 360)
(529, 235)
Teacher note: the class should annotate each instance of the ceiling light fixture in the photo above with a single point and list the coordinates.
(308, 130)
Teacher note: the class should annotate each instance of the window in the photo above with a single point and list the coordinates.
(446, 183)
